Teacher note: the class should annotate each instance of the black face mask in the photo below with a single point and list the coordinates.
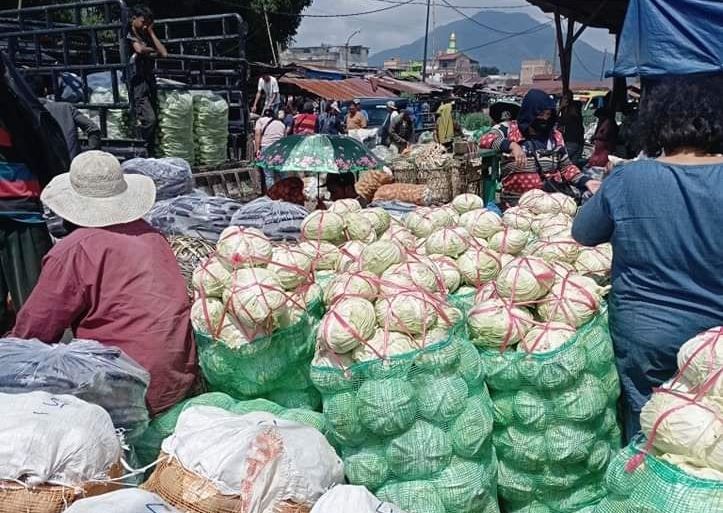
(542, 126)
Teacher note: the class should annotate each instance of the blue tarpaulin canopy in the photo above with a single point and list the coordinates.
(670, 37)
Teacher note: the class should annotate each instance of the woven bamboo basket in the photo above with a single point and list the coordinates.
(190, 251)
(404, 170)
(16, 498)
(192, 493)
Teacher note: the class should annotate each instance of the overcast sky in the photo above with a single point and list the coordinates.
(404, 24)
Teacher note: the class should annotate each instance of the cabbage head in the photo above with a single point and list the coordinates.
(536, 201)
(358, 227)
(411, 313)
(466, 202)
(700, 357)
(207, 315)
(349, 322)
(519, 218)
(379, 256)
(291, 265)
(420, 452)
(323, 225)
(525, 279)
(450, 242)
(685, 426)
(481, 223)
(447, 268)
(485, 292)
(211, 277)
(255, 294)
(419, 222)
(349, 254)
(324, 255)
(443, 216)
(383, 345)
(546, 338)
(595, 262)
(573, 300)
(345, 206)
(401, 235)
(353, 284)
(566, 204)
(556, 250)
(509, 240)
(379, 218)
(420, 271)
(448, 316)
(244, 247)
(478, 266)
(553, 225)
(387, 407)
(496, 323)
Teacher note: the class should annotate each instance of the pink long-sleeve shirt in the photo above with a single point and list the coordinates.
(121, 286)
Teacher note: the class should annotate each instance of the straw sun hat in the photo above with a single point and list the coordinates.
(96, 193)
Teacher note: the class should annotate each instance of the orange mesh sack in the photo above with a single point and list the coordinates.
(220, 462)
(407, 193)
(45, 465)
(370, 182)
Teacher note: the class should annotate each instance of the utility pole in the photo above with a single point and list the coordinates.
(346, 49)
(426, 40)
(602, 70)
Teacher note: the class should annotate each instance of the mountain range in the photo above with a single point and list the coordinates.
(503, 49)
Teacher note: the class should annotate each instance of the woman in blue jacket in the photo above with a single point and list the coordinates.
(664, 218)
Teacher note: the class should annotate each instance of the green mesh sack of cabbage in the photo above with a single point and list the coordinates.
(637, 481)
(555, 420)
(148, 447)
(175, 124)
(255, 314)
(210, 128)
(416, 427)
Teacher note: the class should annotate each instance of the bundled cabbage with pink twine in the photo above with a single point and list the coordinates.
(542, 334)
(403, 393)
(675, 464)
(255, 313)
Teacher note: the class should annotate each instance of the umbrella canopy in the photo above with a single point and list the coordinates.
(318, 154)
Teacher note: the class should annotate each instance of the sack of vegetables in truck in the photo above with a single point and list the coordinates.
(254, 316)
(222, 462)
(56, 449)
(85, 369)
(545, 346)
(640, 480)
(404, 398)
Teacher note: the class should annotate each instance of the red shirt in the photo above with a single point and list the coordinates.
(121, 286)
(305, 124)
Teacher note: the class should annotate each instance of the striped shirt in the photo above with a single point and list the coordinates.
(19, 188)
(552, 162)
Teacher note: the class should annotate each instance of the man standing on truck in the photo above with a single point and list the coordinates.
(144, 46)
(270, 87)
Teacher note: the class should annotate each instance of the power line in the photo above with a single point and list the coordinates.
(469, 18)
(470, 7)
(531, 30)
(396, 5)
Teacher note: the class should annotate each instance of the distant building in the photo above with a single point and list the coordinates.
(403, 69)
(453, 66)
(327, 56)
(503, 82)
(531, 68)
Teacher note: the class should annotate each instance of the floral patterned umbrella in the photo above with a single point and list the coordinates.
(317, 154)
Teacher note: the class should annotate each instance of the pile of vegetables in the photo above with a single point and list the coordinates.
(254, 314)
(403, 393)
(676, 463)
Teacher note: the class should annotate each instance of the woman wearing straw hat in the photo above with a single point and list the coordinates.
(114, 279)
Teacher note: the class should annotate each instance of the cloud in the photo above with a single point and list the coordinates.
(399, 26)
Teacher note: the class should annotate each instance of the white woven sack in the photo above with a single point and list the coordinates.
(352, 499)
(131, 500)
(55, 439)
(276, 460)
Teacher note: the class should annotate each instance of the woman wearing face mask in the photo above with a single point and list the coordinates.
(535, 154)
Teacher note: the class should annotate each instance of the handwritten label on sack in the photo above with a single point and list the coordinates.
(51, 404)
(157, 508)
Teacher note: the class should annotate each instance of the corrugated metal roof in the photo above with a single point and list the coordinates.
(340, 90)
(555, 87)
(403, 86)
